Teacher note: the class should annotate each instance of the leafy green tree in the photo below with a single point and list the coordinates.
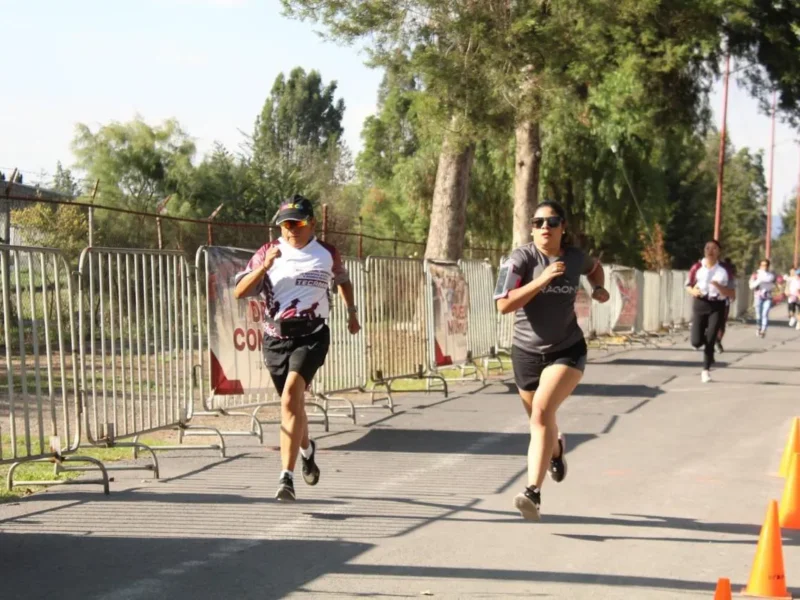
(65, 183)
(138, 166)
(63, 227)
(296, 146)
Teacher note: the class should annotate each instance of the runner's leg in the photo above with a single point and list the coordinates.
(557, 383)
(294, 422)
(712, 330)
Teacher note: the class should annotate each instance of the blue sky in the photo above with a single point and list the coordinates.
(210, 63)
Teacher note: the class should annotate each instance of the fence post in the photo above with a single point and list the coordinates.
(91, 213)
(210, 226)
(394, 242)
(360, 238)
(324, 222)
(7, 234)
(158, 229)
(7, 210)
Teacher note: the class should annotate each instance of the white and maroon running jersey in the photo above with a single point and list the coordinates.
(298, 283)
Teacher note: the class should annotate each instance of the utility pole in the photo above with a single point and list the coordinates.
(721, 161)
(771, 169)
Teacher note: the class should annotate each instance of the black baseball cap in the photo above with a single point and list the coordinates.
(297, 208)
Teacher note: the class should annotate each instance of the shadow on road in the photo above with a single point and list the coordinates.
(436, 441)
(177, 568)
(608, 390)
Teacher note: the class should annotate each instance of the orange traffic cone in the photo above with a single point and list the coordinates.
(723, 591)
(792, 446)
(790, 502)
(767, 578)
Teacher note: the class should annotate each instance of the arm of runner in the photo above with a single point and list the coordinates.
(597, 278)
(510, 295)
(691, 281)
(724, 290)
(341, 278)
(250, 282)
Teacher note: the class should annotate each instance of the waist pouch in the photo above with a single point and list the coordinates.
(296, 327)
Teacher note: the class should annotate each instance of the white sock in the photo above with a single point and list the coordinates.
(306, 452)
(288, 474)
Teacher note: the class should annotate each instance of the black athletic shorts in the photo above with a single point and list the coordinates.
(528, 366)
(303, 355)
(793, 307)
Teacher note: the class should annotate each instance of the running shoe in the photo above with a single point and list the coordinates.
(705, 376)
(285, 491)
(558, 466)
(528, 503)
(310, 468)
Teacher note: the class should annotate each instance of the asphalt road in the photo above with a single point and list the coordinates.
(669, 483)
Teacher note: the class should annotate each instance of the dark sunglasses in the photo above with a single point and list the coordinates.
(552, 222)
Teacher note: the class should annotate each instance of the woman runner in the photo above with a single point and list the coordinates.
(763, 283)
(710, 284)
(539, 282)
(793, 293)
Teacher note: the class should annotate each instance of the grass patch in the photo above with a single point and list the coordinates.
(421, 385)
(39, 471)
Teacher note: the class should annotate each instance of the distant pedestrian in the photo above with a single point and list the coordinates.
(709, 284)
(763, 283)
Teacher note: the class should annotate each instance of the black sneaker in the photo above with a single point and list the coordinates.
(558, 466)
(285, 491)
(528, 503)
(310, 468)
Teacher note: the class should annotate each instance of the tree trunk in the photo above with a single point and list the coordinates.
(526, 180)
(449, 212)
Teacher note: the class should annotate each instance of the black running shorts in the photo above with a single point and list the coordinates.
(303, 355)
(528, 366)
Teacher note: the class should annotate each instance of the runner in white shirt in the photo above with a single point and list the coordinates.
(293, 274)
(762, 282)
(793, 293)
(710, 285)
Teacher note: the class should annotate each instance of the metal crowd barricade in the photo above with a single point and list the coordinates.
(602, 316)
(41, 405)
(651, 316)
(483, 314)
(396, 323)
(505, 326)
(666, 317)
(442, 291)
(681, 301)
(211, 402)
(345, 369)
(135, 325)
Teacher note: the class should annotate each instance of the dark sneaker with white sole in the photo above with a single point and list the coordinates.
(310, 468)
(285, 491)
(528, 503)
(558, 466)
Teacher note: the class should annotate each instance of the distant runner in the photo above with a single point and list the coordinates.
(710, 285)
(539, 282)
(763, 282)
(793, 292)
